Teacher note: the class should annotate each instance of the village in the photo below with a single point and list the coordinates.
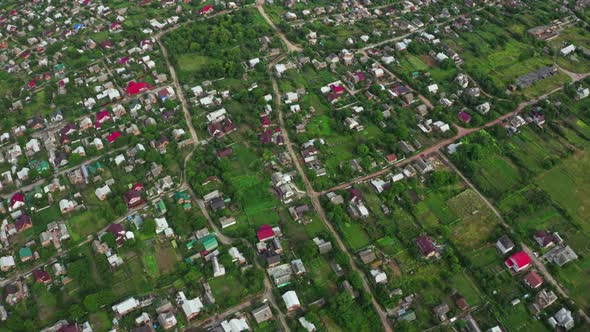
(354, 165)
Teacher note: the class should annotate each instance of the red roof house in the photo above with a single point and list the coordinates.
(518, 261)
(265, 233)
(464, 117)
(113, 136)
(138, 186)
(533, 279)
(546, 239)
(32, 84)
(225, 152)
(42, 276)
(426, 246)
(339, 89)
(265, 121)
(16, 201)
(118, 232)
(134, 88)
(23, 223)
(391, 158)
(132, 198)
(102, 116)
(206, 10)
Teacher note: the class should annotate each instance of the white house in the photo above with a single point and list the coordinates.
(291, 301)
(567, 50)
(126, 306)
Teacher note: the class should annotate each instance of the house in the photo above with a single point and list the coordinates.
(291, 301)
(132, 198)
(102, 192)
(25, 254)
(519, 261)
(7, 263)
(118, 232)
(462, 304)
(533, 280)
(367, 256)
(298, 267)
(543, 299)
(298, 212)
(66, 205)
(23, 223)
(191, 308)
(441, 311)
(547, 239)
(265, 233)
(471, 325)
(426, 246)
(206, 10)
(563, 319)
(114, 259)
(307, 325)
(126, 307)
(567, 50)
(262, 314)
(504, 244)
(561, 255)
(464, 117)
(16, 201)
(235, 325)
(42, 277)
(582, 93)
(379, 276)
(324, 246)
(167, 320)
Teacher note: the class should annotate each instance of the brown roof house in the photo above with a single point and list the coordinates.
(426, 246)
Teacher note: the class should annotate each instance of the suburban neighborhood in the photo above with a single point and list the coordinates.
(294, 165)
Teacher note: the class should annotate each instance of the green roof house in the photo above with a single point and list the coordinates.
(209, 242)
(25, 254)
(161, 207)
(182, 197)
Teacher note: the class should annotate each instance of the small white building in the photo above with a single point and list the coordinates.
(291, 301)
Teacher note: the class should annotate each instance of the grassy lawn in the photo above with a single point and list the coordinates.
(477, 223)
(166, 258)
(85, 223)
(496, 175)
(193, 62)
(467, 288)
(574, 276)
(568, 185)
(227, 287)
(355, 236)
(100, 321)
(519, 319)
(150, 264)
(47, 305)
(484, 256)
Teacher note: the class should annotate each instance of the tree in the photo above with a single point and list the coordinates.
(148, 227)
(110, 240)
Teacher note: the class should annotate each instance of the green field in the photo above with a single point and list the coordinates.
(193, 62)
(569, 186)
(85, 223)
(478, 222)
(496, 175)
(354, 234)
